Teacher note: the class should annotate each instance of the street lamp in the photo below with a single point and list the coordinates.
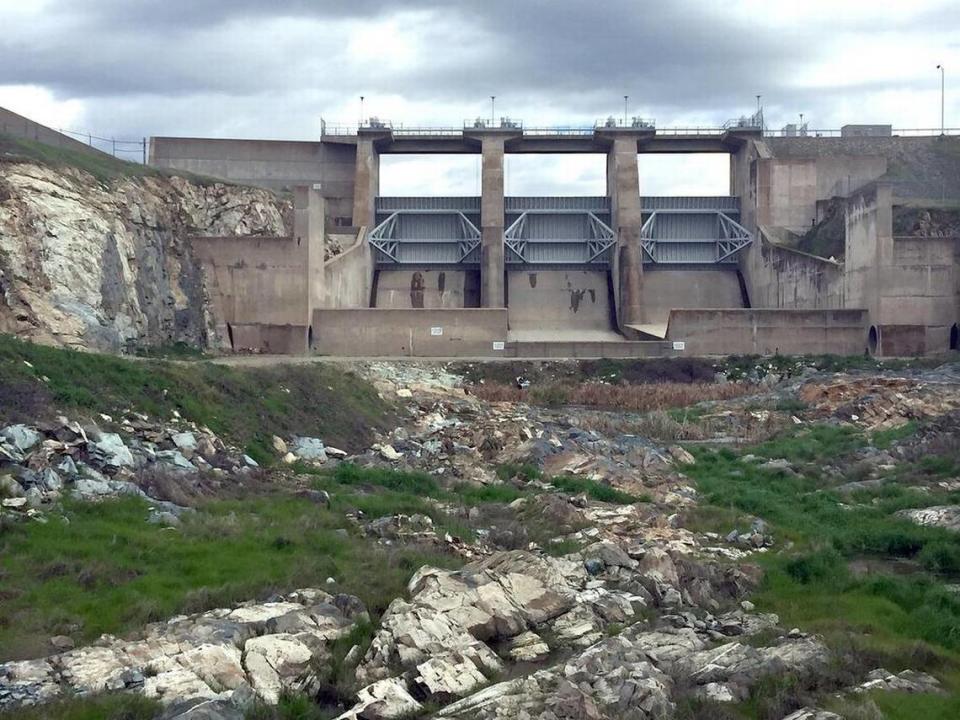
(493, 114)
(625, 99)
(361, 111)
(943, 126)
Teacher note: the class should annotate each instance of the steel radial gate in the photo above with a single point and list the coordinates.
(692, 230)
(556, 231)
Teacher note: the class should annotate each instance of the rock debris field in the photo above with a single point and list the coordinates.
(597, 568)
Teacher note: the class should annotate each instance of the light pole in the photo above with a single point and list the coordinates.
(493, 114)
(943, 85)
(361, 111)
(625, 99)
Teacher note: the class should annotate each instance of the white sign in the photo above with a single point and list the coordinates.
(679, 345)
(498, 344)
(436, 331)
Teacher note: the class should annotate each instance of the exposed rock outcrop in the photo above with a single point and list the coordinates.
(106, 266)
(226, 657)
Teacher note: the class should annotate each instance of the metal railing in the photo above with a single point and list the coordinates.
(334, 129)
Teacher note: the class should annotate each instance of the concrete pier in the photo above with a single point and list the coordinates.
(623, 188)
(491, 222)
(367, 178)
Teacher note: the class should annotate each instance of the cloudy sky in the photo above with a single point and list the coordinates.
(249, 68)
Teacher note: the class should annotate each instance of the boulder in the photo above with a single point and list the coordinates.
(9, 487)
(109, 451)
(274, 663)
(527, 647)
(185, 442)
(21, 437)
(383, 700)
(175, 460)
(308, 448)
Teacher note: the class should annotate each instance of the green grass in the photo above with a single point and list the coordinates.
(595, 490)
(908, 706)
(738, 367)
(102, 707)
(106, 570)
(244, 405)
(508, 471)
(414, 483)
(884, 439)
(809, 583)
(291, 706)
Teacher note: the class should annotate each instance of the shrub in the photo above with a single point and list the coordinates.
(941, 556)
(820, 567)
(596, 490)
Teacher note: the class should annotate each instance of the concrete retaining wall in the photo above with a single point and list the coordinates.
(778, 277)
(766, 332)
(272, 282)
(252, 280)
(468, 332)
(348, 277)
(665, 290)
(275, 164)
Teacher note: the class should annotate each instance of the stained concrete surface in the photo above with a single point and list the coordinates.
(560, 305)
(406, 289)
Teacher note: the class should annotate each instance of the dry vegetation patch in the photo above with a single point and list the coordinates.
(637, 398)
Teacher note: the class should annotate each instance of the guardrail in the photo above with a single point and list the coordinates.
(328, 129)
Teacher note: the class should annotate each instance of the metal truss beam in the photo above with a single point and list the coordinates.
(519, 242)
(731, 237)
(389, 241)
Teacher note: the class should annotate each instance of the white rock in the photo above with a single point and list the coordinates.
(384, 699)
(274, 662)
(387, 452)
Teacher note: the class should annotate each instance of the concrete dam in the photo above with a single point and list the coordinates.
(618, 275)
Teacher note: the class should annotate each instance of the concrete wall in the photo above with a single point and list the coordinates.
(405, 289)
(779, 277)
(348, 277)
(868, 247)
(267, 282)
(467, 332)
(275, 164)
(783, 181)
(252, 280)
(917, 167)
(919, 296)
(766, 332)
(664, 290)
(548, 302)
(21, 127)
(787, 193)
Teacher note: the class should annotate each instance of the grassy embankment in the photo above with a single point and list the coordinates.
(103, 167)
(875, 585)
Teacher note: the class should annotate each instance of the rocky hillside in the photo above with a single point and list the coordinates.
(98, 261)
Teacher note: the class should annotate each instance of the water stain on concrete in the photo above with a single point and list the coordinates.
(441, 281)
(417, 288)
(533, 279)
(576, 296)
